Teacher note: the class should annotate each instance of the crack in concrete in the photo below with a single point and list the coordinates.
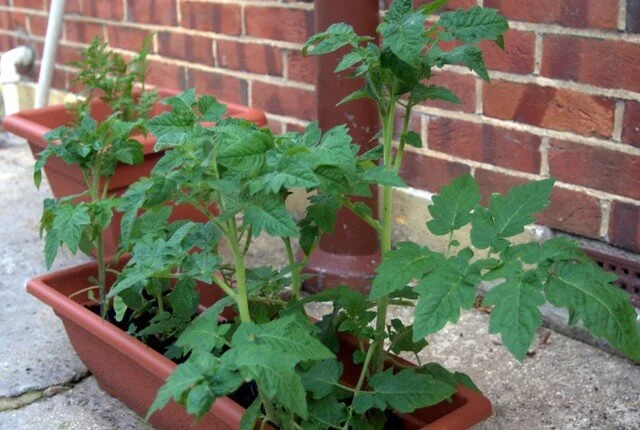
(24, 399)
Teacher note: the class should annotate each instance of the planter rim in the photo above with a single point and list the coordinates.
(23, 124)
(162, 367)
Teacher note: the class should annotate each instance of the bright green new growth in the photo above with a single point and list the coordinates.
(106, 74)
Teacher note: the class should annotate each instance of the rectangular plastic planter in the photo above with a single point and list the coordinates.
(132, 372)
(66, 180)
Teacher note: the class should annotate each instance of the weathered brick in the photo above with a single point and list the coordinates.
(291, 25)
(624, 226)
(214, 17)
(464, 86)
(126, 37)
(594, 167)
(11, 20)
(159, 12)
(113, 9)
(569, 211)
(570, 13)
(250, 57)
(604, 63)
(83, 32)
(282, 100)
(633, 16)
(165, 75)
(549, 107)
(302, 69)
(196, 49)
(485, 143)
(429, 173)
(38, 25)
(67, 54)
(226, 88)
(631, 124)
(30, 4)
(518, 55)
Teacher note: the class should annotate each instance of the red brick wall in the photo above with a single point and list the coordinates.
(564, 101)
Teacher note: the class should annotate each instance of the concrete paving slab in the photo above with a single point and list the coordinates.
(83, 407)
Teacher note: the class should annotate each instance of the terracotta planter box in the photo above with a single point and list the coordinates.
(67, 180)
(132, 372)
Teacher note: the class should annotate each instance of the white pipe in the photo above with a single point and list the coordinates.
(21, 56)
(52, 37)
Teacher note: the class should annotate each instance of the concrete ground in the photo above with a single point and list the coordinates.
(563, 384)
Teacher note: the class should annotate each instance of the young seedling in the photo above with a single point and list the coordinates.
(106, 74)
(78, 221)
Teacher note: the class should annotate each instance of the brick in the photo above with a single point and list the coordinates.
(214, 17)
(464, 86)
(226, 88)
(302, 69)
(569, 13)
(113, 10)
(452, 5)
(196, 49)
(415, 123)
(631, 124)
(518, 56)
(67, 54)
(485, 143)
(604, 63)
(165, 75)
(429, 173)
(38, 25)
(14, 21)
(126, 37)
(548, 107)
(251, 57)
(275, 125)
(633, 16)
(624, 226)
(30, 4)
(159, 12)
(83, 32)
(290, 25)
(598, 168)
(286, 101)
(70, 6)
(569, 211)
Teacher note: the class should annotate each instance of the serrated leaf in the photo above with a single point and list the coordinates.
(51, 246)
(362, 93)
(43, 157)
(401, 338)
(442, 293)
(328, 411)
(516, 315)
(244, 148)
(349, 60)
(407, 390)
(421, 93)
(184, 298)
(513, 213)
(451, 209)
(180, 381)
(605, 310)
(434, 6)
(204, 334)
(412, 138)
(322, 378)
(271, 216)
(334, 38)
(199, 400)
(251, 415)
(382, 176)
(210, 109)
(408, 261)
(402, 32)
(472, 25)
(468, 55)
(69, 222)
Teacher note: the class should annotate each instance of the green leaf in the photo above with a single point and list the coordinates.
(184, 298)
(349, 60)
(244, 147)
(272, 216)
(362, 93)
(513, 213)
(210, 109)
(403, 32)
(421, 93)
(401, 338)
(451, 209)
(251, 415)
(204, 334)
(407, 390)
(412, 138)
(328, 411)
(179, 382)
(382, 176)
(434, 6)
(131, 202)
(322, 378)
(472, 25)
(40, 162)
(128, 151)
(334, 38)
(290, 175)
(199, 400)
(69, 222)
(408, 261)
(51, 246)
(605, 310)
(516, 315)
(468, 55)
(442, 293)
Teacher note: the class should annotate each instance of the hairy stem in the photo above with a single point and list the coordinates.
(366, 218)
(363, 373)
(405, 126)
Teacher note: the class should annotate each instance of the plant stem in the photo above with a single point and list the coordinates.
(405, 126)
(446, 255)
(295, 269)
(363, 373)
(385, 237)
(366, 218)
(241, 272)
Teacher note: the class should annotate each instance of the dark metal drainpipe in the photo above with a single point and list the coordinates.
(351, 253)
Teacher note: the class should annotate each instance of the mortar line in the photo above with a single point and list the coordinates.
(537, 55)
(622, 14)
(605, 208)
(618, 120)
